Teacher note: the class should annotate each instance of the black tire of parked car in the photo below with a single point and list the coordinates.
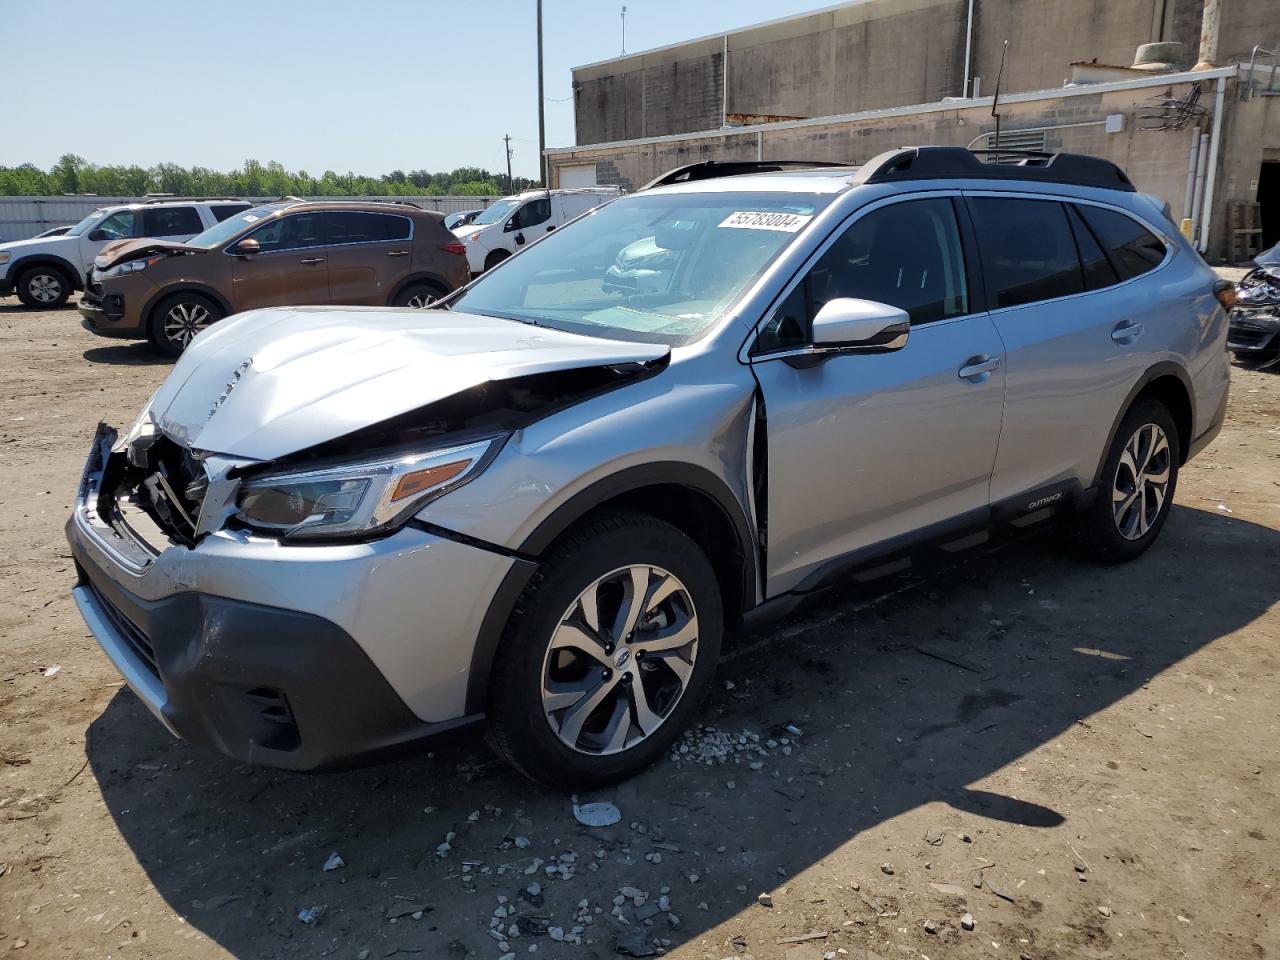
(1098, 527)
(195, 305)
(519, 729)
(43, 287)
(494, 258)
(419, 295)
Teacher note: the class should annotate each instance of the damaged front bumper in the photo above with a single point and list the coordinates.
(300, 657)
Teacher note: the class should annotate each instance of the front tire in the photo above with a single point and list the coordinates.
(608, 654)
(1139, 478)
(494, 258)
(177, 319)
(43, 288)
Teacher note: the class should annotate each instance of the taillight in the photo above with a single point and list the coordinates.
(1225, 291)
(456, 248)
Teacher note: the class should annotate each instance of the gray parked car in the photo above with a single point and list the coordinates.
(334, 532)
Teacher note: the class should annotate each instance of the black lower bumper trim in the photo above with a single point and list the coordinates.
(265, 685)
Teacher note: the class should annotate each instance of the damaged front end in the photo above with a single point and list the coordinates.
(366, 484)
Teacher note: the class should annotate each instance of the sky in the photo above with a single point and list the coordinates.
(366, 86)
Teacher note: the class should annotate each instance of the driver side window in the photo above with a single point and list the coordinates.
(906, 254)
(531, 214)
(118, 226)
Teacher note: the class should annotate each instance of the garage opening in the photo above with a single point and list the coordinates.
(578, 175)
(1269, 202)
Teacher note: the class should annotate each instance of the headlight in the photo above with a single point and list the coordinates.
(129, 266)
(358, 499)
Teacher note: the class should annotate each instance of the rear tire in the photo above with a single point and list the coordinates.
(43, 288)
(178, 318)
(589, 686)
(1139, 479)
(418, 295)
(494, 258)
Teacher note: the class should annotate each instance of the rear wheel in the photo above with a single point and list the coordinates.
(43, 288)
(177, 319)
(1139, 478)
(418, 296)
(608, 654)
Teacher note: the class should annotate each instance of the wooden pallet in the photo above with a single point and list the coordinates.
(1244, 230)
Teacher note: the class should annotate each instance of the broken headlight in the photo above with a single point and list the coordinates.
(129, 266)
(358, 499)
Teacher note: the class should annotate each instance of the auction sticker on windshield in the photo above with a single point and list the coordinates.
(764, 220)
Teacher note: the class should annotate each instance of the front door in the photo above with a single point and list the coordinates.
(291, 267)
(866, 448)
(369, 254)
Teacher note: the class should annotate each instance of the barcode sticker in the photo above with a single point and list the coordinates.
(763, 220)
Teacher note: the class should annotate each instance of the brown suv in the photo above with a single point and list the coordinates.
(288, 253)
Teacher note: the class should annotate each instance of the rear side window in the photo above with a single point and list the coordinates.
(1028, 252)
(171, 222)
(1098, 272)
(353, 227)
(1131, 247)
(226, 210)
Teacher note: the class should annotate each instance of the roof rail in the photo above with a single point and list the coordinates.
(960, 163)
(170, 198)
(710, 169)
(394, 203)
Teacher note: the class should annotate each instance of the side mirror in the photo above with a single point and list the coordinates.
(247, 247)
(98, 235)
(850, 325)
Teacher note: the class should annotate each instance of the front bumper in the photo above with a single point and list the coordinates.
(105, 314)
(1254, 332)
(303, 658)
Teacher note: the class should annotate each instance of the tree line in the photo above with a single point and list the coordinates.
(75, 175)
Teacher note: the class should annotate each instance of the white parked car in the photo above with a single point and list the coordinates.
(44, 270)
(512, 222)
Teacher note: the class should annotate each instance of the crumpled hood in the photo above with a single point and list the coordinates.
(272, 382)
(118, 251)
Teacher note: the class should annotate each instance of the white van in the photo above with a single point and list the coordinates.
(514, 221)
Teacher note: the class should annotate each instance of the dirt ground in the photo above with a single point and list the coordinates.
(1085, 760)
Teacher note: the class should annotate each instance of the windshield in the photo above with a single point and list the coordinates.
(496, 212)
(654, 268)
(220, 233)
(86, 223)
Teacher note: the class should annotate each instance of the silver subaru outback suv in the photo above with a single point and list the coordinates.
(335, 532)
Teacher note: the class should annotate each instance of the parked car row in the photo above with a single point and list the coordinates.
(543, 503)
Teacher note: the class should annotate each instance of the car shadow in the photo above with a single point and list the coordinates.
(133, 354)
(905, 694)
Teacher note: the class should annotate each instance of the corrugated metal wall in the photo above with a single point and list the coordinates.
(23, 217)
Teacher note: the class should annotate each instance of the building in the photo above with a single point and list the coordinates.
(1193, 116)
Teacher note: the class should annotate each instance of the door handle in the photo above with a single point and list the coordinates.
(978, 366)
(1126, 331)
(398, 253)
(550, 228)
(312, 260)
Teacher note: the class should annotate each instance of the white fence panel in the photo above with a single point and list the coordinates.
(23, 217)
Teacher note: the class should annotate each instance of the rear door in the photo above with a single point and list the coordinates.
(1078, 327)
(864, 449)
(290, 269)
(369, 254)
(170, 222)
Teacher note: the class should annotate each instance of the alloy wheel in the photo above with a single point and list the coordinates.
(420, 301)
(1141, 482)
(184, 321)
(619, 660)
(45, 287)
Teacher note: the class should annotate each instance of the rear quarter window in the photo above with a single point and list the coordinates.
(1132, 249)
(227, 210)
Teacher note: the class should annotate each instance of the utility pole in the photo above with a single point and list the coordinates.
(542, 121)
(624, 29)
(510, 183)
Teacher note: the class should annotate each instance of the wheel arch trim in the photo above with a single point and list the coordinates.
(1165, 368)
(422, 276)
(50, 259)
